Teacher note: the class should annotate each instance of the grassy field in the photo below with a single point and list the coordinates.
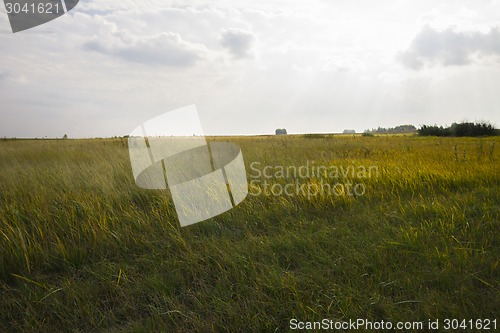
(83, 249)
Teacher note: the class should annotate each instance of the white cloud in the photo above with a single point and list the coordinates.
(167, 48)
(3, 74)
(240, 43)
(341, 63)
(448, 47)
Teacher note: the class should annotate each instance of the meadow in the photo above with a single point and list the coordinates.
(83, 249)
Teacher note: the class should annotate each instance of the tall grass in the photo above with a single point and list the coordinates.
(82, 248)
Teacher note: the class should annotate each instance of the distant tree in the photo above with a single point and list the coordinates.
(394, 130)
(349, 131)
(402, 129)
(280, 131)
(461, 129)
(427, 130)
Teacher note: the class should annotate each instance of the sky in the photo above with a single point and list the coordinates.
(316, 66)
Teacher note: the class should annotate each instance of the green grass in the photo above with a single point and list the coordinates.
(82, 248)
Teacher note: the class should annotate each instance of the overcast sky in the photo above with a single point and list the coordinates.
(252, 66)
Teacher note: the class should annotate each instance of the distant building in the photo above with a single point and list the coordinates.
(349, 131)
(280, 131)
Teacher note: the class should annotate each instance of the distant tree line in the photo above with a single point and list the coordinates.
(393, 130)
(461, 129)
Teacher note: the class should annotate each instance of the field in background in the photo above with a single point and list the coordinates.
(82, 248)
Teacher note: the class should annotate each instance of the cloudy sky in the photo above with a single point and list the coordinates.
(252, 66)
